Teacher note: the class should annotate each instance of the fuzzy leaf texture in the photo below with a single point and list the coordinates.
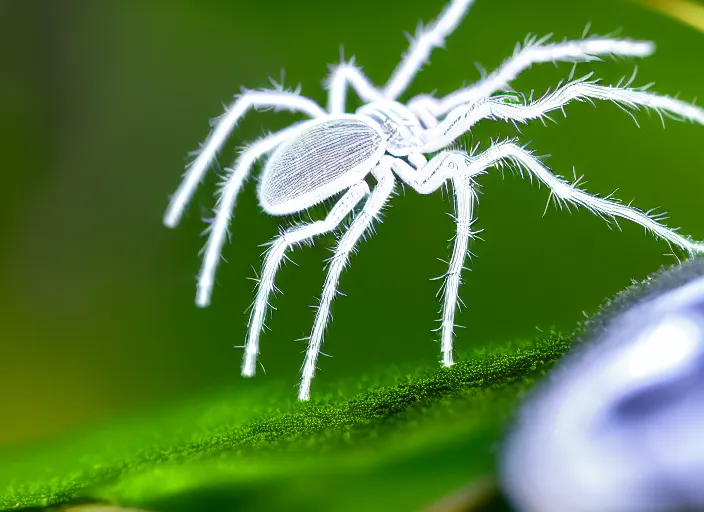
(431, 431)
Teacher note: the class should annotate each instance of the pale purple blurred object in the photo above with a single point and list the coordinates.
(619, 425)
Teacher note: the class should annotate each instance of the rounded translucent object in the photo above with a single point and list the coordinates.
(619, 425)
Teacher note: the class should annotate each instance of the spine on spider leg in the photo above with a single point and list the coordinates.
(384, 188)
(465, 198)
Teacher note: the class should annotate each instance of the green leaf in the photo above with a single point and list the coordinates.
(432, 430)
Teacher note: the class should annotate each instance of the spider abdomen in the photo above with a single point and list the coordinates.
(325, 158)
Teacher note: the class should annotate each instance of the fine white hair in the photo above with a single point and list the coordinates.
(356, 157)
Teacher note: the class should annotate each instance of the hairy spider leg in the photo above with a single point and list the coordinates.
(509, 152)
(218, 229)
(465, 200)
(462, 118)
(426, 40)
(533, 52)
(344, 75)
(429, 176)
(427, 179)
(347, 74)
(361, 223)
(461, 168)
(280, 100)
(275, 255)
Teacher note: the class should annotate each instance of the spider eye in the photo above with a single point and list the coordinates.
(508, 97)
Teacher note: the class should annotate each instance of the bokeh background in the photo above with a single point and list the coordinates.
(102, 101)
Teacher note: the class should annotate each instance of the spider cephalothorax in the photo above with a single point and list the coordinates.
(332, 154)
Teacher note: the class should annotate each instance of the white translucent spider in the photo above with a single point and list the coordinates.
(333, 155)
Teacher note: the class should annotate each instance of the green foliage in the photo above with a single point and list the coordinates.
(427, 433)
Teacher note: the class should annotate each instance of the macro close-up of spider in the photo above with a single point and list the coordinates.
(357, 159)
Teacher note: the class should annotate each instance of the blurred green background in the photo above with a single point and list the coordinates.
(102, 101)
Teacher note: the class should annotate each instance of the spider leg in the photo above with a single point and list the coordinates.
(275, 256)
(465, 199)
(361, 223)
(427, 178)
(508, 152)
(426, 40)
(461, 168)
(218, 229)
(280, 100)
(462, 118)
(344, 75)
(533, 52)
